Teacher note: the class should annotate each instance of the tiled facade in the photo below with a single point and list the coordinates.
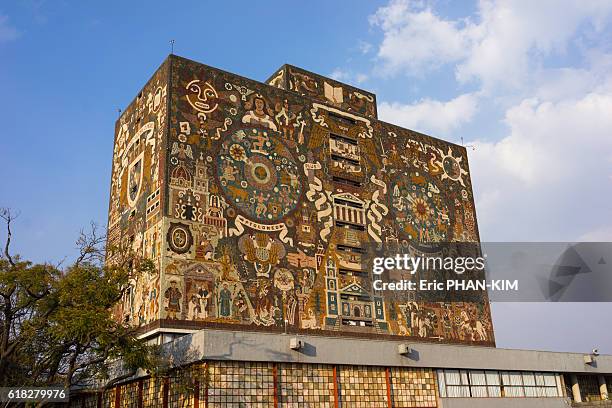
(590, 387)
(246, 384)
(306, 385)
(413, 388)
(236, 383)
(362, 387)
(152, 392)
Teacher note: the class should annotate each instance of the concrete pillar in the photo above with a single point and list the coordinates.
(575, 388)
(603, 388)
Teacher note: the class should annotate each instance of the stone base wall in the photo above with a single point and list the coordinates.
(592, 404)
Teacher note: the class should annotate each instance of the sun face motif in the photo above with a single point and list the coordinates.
(202, 96)
(452, 167)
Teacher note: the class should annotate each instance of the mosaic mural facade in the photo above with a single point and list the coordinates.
(258, 203)
(137, 179)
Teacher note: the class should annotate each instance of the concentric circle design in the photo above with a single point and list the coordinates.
(179, 238)
(419, 209)
(258, 174)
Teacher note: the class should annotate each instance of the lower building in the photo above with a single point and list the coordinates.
(221, 368)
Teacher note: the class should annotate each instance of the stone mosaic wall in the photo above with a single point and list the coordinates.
(325, 90)
(306, 385)
(234, 383)
(363, 387)
(271, 199)
(137, 180)
(245, 384)
(413, 388)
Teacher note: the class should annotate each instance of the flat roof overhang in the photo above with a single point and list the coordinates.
(273, 347)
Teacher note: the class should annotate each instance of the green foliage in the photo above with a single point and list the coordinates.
(57, 325)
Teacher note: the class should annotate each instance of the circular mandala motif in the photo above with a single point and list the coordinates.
(179, 238)
(283, 279)
(419, 209)
(258, 174)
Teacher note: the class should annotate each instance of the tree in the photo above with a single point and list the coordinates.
(56, 323)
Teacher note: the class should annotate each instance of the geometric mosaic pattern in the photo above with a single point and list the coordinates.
(363, 387)
(152, 392)
(240, 384)
(246, 384)
(306, 385)
(129, 395)
(413, 388)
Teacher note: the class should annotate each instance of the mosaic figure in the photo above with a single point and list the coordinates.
(173, 297)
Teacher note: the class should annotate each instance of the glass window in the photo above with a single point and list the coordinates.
(513, 384)
(497, 384)
(530, 385)
(457, 384)
(493, 384)
(478, 384)
(442, 383)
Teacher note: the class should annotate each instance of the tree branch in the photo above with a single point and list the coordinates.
(90, 246)
(115, 380)
(8, 217)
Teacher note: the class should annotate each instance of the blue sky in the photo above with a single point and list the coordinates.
(527, 84)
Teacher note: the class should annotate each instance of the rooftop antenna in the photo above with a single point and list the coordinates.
(469, 146)
(171, 46)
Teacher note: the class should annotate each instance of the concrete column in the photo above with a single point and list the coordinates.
(603, 388)
(575, 388)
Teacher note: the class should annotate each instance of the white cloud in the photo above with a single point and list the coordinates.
(514, 35)
(416, 39)
(348, 77)
(7, 32)
(549, 178)
(601, 234)
(360, 78)
(506, 42)
(364, 47)
(544, 71)
(431, 116)
(339, 75)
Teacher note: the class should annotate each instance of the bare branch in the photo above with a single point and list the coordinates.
(91, 245)
(8, 216)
